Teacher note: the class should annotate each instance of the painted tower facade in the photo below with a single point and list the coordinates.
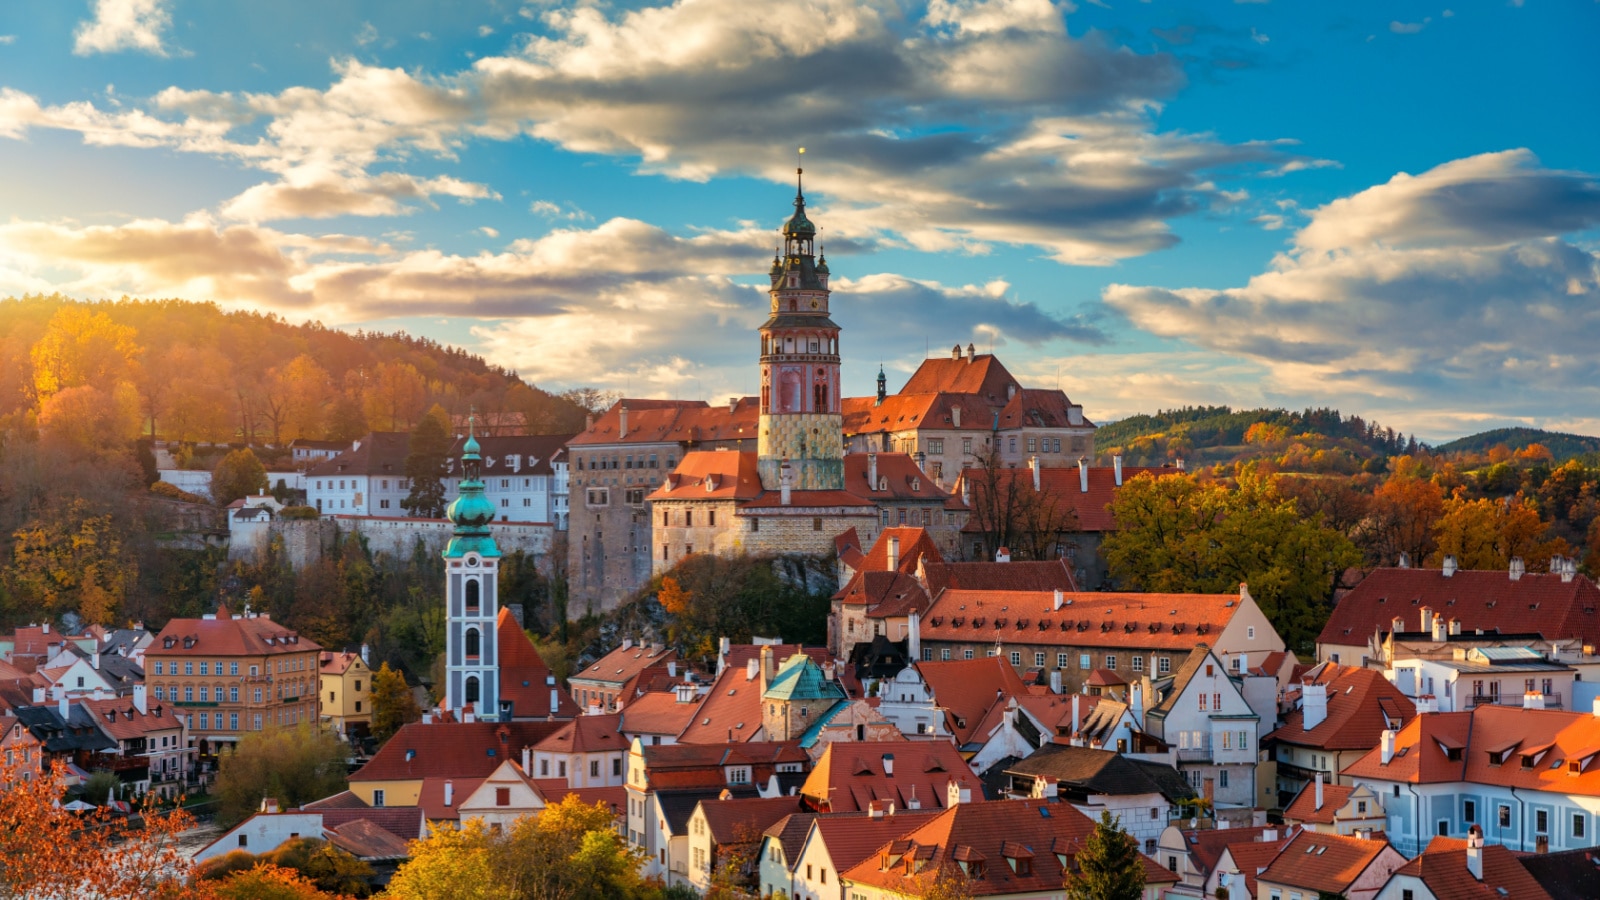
(800, 422)
(472, 607)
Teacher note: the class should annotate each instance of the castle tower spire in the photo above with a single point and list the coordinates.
(472, 607)
(800, 393)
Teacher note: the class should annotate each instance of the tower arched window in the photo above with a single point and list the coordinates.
(471, 693)
(474, 643)
(473, 595)
(794, 305)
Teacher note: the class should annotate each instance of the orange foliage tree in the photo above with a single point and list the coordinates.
(673, 598)
(51, 852)
(1488, 534)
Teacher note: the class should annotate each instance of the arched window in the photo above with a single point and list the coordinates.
(473, 642)
(472, 690)
(472, 595)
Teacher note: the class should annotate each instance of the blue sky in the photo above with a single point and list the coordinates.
(1387, 207)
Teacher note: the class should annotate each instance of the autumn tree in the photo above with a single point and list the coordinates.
(1404, 512)
(72, 559)
(395, 396)
(89, 421)
(1008, 512)
(265, 881)
(571, 850)
(239, 474)
(82, 346)
(52, 852)
(1488, 534)
(393, 703)
(346, 419)
(426, 460)
(325, 866)
(291, 765)
(1108, 867)
(672, 597)
(1177, 534)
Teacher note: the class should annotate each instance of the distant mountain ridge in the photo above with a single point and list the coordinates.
(1562, 445)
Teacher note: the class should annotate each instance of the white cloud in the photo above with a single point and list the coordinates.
(304, 194)
(1453, 290)
(1409, 27)
(489, 232)
(123, 25)
(367, 34)
(977, 122)
(8, 39)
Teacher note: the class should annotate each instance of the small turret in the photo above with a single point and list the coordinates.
(883, 385)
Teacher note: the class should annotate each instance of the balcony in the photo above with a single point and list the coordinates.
(1201, 755)
(1552, 700)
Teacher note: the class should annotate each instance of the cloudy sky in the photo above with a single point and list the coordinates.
(1393, 208)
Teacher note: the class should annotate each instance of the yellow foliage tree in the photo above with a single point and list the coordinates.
(72, 560)
(672, 597)
(1488, 534)
(267, 882)
(90, 421)
(80, 347)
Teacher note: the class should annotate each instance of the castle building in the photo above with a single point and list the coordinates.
(472, 560)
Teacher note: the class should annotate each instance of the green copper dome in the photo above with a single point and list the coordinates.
(471, 512)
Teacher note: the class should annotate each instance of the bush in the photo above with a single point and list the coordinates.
(170, 491)
(299, 512)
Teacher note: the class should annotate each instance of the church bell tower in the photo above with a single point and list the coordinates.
(471, 565)
(800, 393)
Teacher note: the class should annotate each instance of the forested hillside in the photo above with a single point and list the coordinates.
(180, 371)
(1562, 446)
(1316, 440)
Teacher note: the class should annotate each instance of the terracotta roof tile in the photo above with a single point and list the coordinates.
(1424, 746)
(1252, 856)
(1207, 844)
(524, 678)
(586, 734)
(712, 475)
(731, 711)
(229, 635)
(1325, 862)
(1443, 868)
(621, 665)
(672, 421)
(1303, 808)
(1043, 575)
(364, 839)
(376, 453)
(1173, 622)
(852, 837)
(451, 750)
(850, 775)
(119, 718)
(967, 688)
(742, 820)
(658, 712)
(1487, 600)
(1361, 705)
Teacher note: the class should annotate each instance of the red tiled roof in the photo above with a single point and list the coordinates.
(1487, 600)
(1325, 862)
(672, 421)
(897, 472)
(1443, 868)
(730, 712)
(1303, 808)
(586, 734)
(967, 688)
(702, 765)
(119, 718)
(847, 544)
(874, 582)
(1250, 857)
(365, 839)
(657, 713)
(229, 635)
(980, 374)
(1064, 484)
(1206, 844)
(404, 822)
(1422, 750)
(451, 750)
(337, 663)
(1157, 621)
(1044, 575)
(852, 837)
(1361, 705)
(376, 453)
(621, 665)
(742, 820)
(524, 678)
(431, 797)
(850, 775)
(987, 832)
(732, 476)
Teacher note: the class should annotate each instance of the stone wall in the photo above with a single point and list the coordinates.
(306, 540)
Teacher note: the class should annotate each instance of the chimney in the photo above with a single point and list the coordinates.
(1076, 713)
(1075, 414)
(1405, 560)
(555, 701)
(141, 700)
(527, 761)
(1517, 568)
(1181, 466)
(1269, 836)
(1057, 601)
(1449, 566)
(1386, 745)
(1314, 703)
(588, 422)
(45, 628)
(767, 666)
(913, 636)
(1083, 475)
(828, 669)
(955, 415)
(958, 793)
(752, 668)
(1033, 463)
(672, 668)
(1055, 682)
(1440, 630)
(449, 793)
(1455, 626)
(627, 643)
(269, 805)
(894, 552)
(94, 661)
(1319, 792)
(1427, 703)
(1116, 470)
(1427, 619)
(1532, 700)
(1244, 663)
(39, 699)
(955, 352)
(872, 470)
(1475, 852)
(1137, 705)
(1596, 708)
(1569, 569)
(972, 353)
(888, 765)
(622, 429)
(733, 404)
(63, 705)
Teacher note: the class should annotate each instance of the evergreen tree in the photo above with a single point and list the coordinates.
(425, 466)
(393, 704)
(1108, 866)
(239, 474)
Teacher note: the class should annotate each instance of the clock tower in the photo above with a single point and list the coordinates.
(800, 421)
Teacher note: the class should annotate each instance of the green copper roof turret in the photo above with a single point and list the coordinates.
(471, 512)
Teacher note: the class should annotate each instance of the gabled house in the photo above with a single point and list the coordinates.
(605, 683)
(1145, 796)
(1452, 869)
(1007, 849)
(152, 752)
(727, 833)
(1328, 864)
(1204, 717)
(1193, 853)
(910, 774)
(781, 844)
(526, 683)
(431, 754)
(1343, 712)
(510, 792)
(1336, 809)
(948, 699)
(837, 842)
(346, 693)
(589, 752)
(373, 835)
(1242, 861)
(658, 717)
